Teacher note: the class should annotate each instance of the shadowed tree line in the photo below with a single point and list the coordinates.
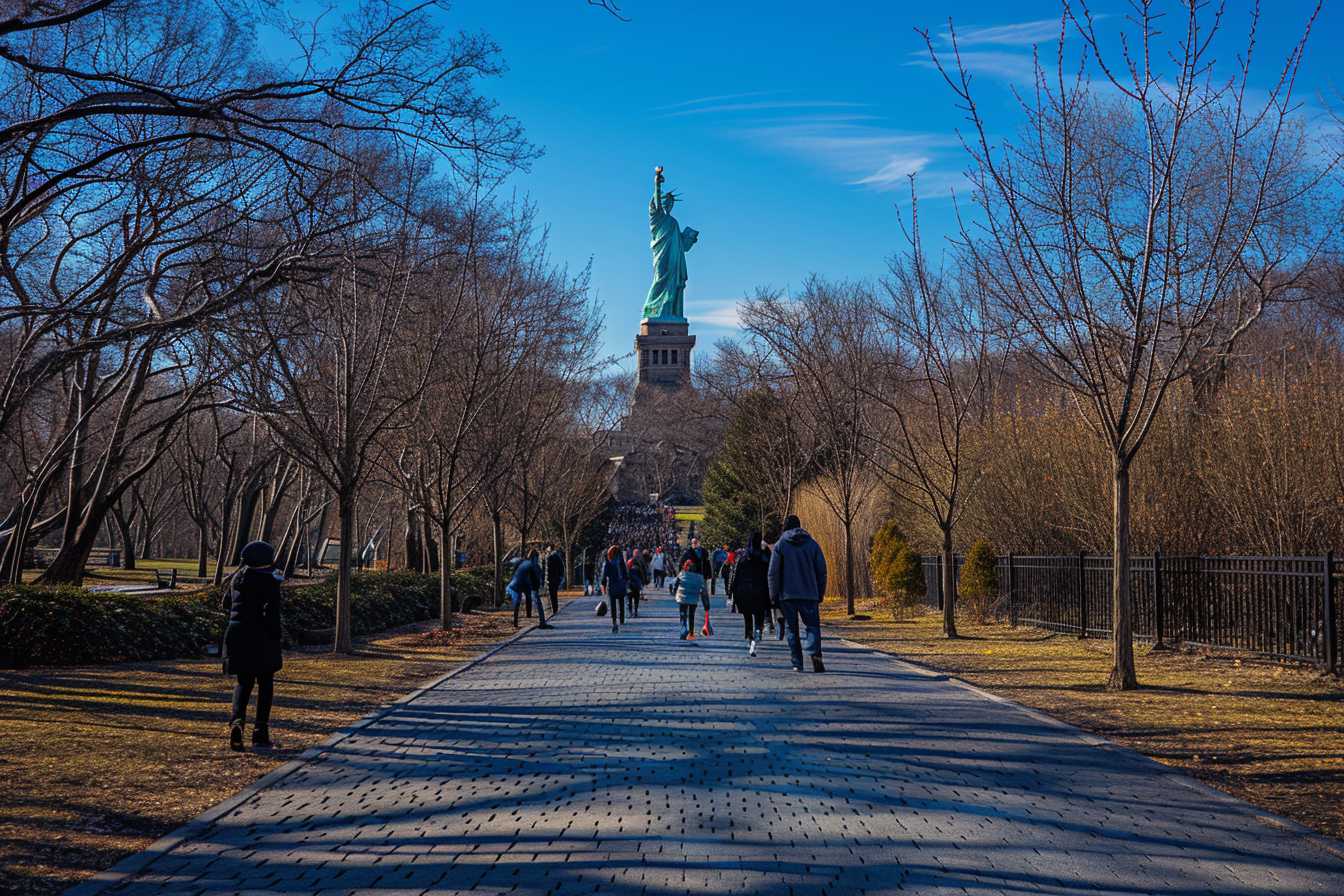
(259, 280)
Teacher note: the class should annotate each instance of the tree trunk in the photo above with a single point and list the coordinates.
(222, 558)
(127, 540)
(445, 574)
(202, 547)
(346, 508)
(247, 514)
(1123, 677)
(497, 533)
(849, 565)
(948, 569)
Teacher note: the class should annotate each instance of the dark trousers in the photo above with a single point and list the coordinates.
(616, 606)
(808, 613)
(242, 692)
(632, 602)
(554, 589)
(753, 621)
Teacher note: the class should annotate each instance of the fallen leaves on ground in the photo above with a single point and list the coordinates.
(1271, 734)
(98, 762)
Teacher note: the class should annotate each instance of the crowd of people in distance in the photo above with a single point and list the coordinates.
(775, 582)
(631, 522)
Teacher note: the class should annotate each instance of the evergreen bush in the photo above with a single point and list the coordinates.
(61, 626)
(897, 571)
(978, 586)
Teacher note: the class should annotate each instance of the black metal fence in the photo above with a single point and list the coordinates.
(1282, 607)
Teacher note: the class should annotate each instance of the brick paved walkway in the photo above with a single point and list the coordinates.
(574, 761)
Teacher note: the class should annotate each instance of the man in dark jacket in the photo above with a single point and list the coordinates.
(700, 557)
(555, 574)
(797, 583)
(526, 585)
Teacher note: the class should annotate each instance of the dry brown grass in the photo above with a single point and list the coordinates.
(1270, 734)
(98, 762)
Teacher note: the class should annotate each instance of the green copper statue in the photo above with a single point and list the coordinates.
(669, 246)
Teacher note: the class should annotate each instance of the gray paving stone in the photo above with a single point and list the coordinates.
(575, 761)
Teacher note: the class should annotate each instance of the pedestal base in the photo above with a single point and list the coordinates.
(664, 352)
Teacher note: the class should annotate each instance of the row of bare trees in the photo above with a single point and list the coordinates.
(1113, 263)
(245, 292)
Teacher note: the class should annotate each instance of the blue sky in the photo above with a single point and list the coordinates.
(788, 126)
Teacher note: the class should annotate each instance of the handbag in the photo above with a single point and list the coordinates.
(601, 609)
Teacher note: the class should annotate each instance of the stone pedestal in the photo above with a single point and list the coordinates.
(663, 350)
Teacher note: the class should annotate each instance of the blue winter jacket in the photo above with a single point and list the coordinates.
(613, 576)
(527, 577)
(690, 585)
(797, 568)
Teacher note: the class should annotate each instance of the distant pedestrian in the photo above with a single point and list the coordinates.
(640, 578)
(658, 565)
(797, 576)
(700, 557)
(717, 559)
(555, 576)
(614, 577)
(689, 589)
(749, 589)
(526, 586)
(252, 640)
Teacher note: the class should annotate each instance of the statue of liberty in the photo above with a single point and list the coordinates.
(669, 246)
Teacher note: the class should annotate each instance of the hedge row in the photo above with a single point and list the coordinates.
(61, 626)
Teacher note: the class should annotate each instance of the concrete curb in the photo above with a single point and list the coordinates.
(134, 863)
(1176, 776)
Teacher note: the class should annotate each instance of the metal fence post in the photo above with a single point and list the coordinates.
(1082, 596)
(1331, 623)
(1159, 603)
(1012, 594)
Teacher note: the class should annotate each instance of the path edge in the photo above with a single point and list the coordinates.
(137, 861)
(1324, 842)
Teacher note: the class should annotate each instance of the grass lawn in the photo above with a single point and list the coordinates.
(100, 761)
(1270, 734)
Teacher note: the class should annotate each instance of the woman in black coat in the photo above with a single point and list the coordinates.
(252, 640)
(750, 590)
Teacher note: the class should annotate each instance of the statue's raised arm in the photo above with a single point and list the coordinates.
(656, 203)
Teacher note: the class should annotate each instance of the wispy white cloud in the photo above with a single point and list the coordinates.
(1016, 67)
(863, 153)
(1014, 34)
(719, 313)
(767, 106)
(714, 99)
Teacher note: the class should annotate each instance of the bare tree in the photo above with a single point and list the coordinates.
(1138, 224)
(812, 336)
(931, 374)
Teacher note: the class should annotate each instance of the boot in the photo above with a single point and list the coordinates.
(261, 737)
(236, 736)
(708, 629)
(817, 665)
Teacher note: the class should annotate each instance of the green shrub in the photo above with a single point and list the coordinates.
(68, 626)
(978, 586)
(897, 571)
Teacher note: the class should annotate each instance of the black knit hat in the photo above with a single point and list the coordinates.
(258, 553)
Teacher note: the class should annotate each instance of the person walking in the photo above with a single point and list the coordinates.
(717, 559)
(749, 589)
(555, 575)
(614, 577)
(525, 586)
(637, 582)
(658, 566)
(689, 589)
(252, 640)
(797, 577)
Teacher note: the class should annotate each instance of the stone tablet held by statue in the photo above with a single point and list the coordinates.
(669, 244)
